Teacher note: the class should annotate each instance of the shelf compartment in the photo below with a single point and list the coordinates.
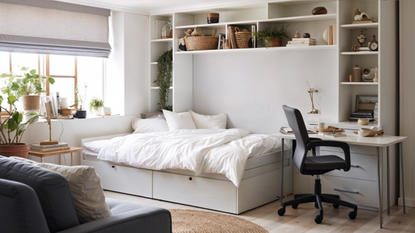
(298, 8)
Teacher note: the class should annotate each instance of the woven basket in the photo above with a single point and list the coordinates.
(201, 42)
(242, 38)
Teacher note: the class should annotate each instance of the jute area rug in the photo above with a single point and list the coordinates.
(195, 221)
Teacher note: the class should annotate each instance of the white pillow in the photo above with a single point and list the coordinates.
(86, 191)
(149, 125)
(209, 121)
(181, 120)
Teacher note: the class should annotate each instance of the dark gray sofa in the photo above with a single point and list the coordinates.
(34, 199)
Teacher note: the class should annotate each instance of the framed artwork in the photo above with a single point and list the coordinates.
(365, 102)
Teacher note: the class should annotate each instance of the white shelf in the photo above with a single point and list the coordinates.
(157, 88)
(361, 25)
(161, 40)
(153, 63)
(360, 83)
(315, 47)
(359, 53)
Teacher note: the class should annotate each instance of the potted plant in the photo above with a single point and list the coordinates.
(12, 125)
(79, 99)
(95, 104)
(164, 74)
(272, 36)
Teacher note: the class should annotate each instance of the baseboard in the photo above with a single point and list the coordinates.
(410, 202)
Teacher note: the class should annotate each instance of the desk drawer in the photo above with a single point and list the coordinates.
(362, 166)
(359, 192)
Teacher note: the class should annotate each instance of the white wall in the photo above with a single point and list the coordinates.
(407, 96)
(252, 86)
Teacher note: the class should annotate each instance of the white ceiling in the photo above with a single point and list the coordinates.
(161, 6)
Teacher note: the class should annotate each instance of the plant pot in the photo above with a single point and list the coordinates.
(276, 42)
(18, 149)
(31, 102)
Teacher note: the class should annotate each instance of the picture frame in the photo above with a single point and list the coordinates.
(365, 102)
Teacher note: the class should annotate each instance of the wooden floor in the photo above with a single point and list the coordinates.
(302, 219)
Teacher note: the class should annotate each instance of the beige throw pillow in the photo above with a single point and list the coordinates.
(86, 191)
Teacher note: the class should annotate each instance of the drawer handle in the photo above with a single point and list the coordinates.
(113, 166)
(346, 191)
(190, 178)
(356, 166)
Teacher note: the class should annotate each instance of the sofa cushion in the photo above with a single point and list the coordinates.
(87, 194)
(51, 188)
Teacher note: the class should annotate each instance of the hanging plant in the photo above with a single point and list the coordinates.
(164, 74)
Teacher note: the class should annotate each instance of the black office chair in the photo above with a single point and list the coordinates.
(315, 165)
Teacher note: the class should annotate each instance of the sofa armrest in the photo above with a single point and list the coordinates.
(20, 208)
(146, 219)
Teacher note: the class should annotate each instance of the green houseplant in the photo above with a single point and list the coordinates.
(12, 125)
(164, 75)
(272, 37)
(95, 104)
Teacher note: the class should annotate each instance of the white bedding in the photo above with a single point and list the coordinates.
(222, 151)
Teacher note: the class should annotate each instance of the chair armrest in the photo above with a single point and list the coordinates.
(344, 146)
(313, 150)
(138, 220)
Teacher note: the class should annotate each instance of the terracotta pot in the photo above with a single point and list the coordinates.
(31, 102)
(18, 149)
(276, 42)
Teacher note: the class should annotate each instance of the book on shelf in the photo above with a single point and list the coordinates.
(231, 37)
(362, 21)
(304, 39)
(355, 119)
(330, 35)
(334, 34)
(299, 45)
(301, 42)
(332, 134)
(363, 49)
(37, 145)
(50, 149)
(64, 117)
(253, 38)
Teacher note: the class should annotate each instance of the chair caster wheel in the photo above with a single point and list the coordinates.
(281, 212)
(295, 206)
(336, 206)
(318, 219)
(352, 215)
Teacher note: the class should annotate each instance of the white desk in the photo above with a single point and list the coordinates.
(379, 142)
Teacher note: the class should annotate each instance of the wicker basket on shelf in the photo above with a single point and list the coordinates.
(242, 38)
(201, 42)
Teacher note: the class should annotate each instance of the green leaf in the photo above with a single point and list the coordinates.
(3, 75)
(33, 71)
(12, 124)
(11, 99)
(51, 80)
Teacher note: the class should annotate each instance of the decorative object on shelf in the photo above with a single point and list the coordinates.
(212, 18)
(351, 78)
(361, 38)
(361, 17)
(163, 80)
(320, 10)
(272, 37)
(306, 35)
(12, 126)
(355, 48)
(311, 92)
(198, 41)
(375, 72)
(167, 30)
(222, 43)
(296, 35)
(95, 104)
(330, 35)
(373, 44)
(368, 75)
(357, 73)
(188, 32)
(242, 37)
(182, 44)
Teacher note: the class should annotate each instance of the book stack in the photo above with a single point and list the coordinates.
(48, 148)
(297, 42)
(361, 114)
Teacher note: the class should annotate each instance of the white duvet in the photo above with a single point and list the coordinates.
(222, 151)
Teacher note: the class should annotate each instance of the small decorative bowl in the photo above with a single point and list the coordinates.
(364, 132)
(363, 121)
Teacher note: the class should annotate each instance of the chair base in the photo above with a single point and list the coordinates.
(318, 198)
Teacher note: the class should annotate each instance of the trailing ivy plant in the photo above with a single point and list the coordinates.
(164, 74)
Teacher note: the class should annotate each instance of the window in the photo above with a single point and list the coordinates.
(69, 72)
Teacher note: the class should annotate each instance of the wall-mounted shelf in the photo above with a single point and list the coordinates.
(360, 83)
(360, 26)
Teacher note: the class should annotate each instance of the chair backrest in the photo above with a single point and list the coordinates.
(51, 188)
(296, 123)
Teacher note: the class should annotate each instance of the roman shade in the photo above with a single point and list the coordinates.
(50, 27)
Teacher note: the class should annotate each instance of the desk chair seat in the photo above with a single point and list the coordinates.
(315, 165)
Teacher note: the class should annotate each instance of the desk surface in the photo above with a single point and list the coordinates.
(353, 139)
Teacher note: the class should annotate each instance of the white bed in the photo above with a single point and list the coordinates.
(227, 170)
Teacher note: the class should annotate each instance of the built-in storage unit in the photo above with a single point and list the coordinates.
(298, 15)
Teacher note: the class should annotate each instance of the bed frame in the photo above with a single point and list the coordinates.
(260, 183)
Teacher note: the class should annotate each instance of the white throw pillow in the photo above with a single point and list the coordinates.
(149, 125)
(86, 191)
(181, 120)
(209, 121)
